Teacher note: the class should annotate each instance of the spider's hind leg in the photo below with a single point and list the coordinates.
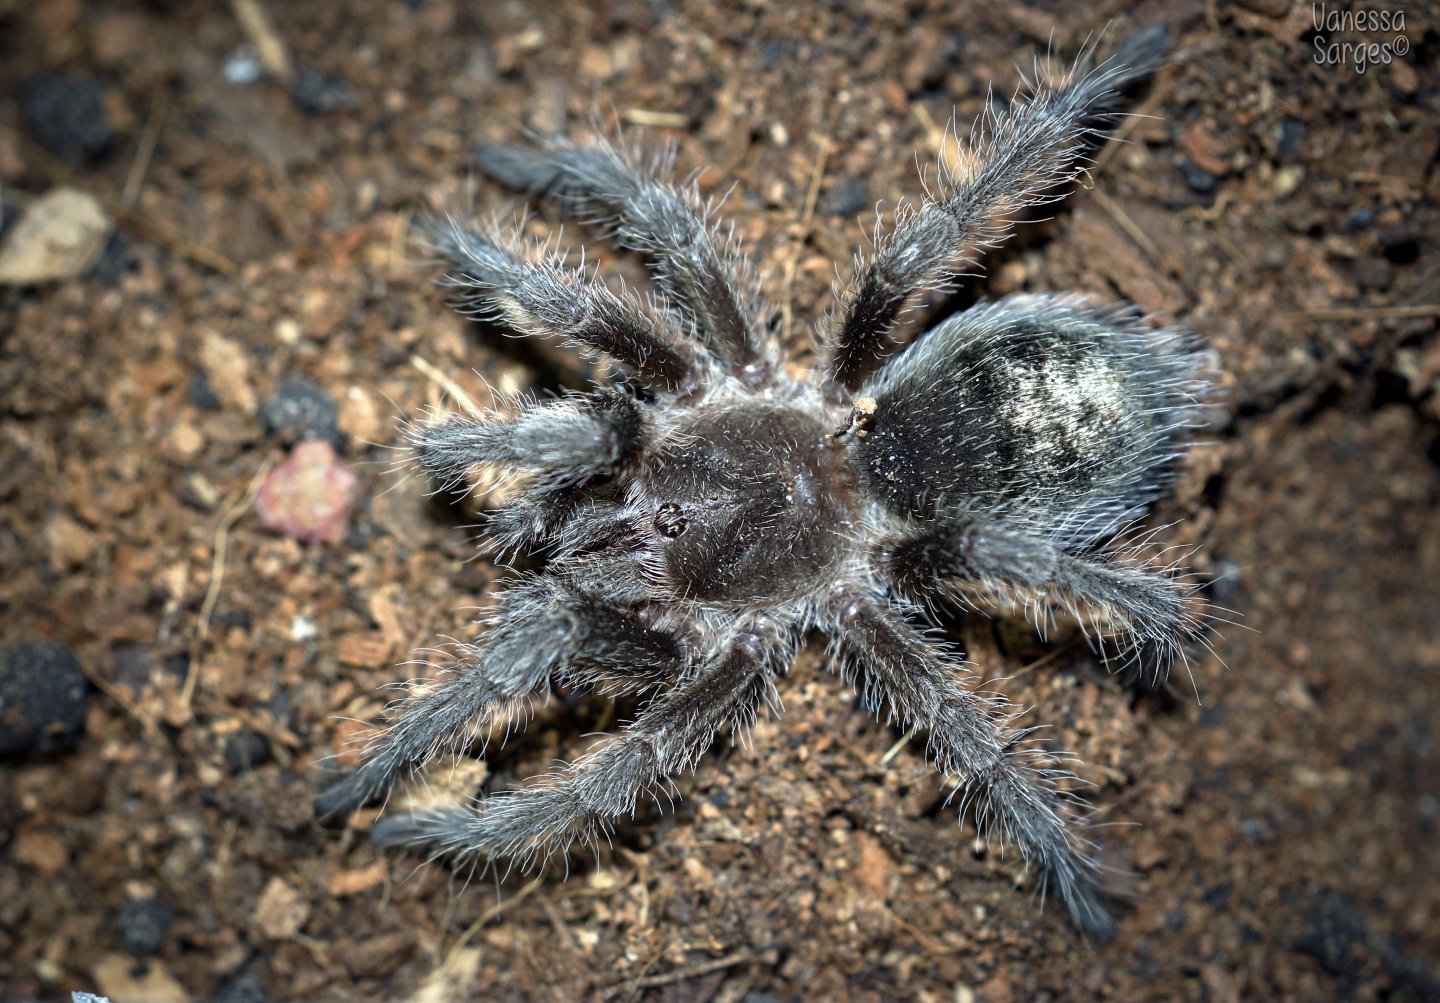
(1151, 614)
(545, 629)
(913, 683)
(582, 800)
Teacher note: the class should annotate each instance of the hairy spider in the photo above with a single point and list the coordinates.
(698, 525)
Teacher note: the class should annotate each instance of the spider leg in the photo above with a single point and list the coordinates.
(697, 268)
(558, 521)
(1016, 158)
(582, 800)
(547, 299)
(566, 443)
(1152, 611)
(897, 671)
(545, 628)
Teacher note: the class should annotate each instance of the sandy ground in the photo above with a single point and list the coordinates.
(1280, 829)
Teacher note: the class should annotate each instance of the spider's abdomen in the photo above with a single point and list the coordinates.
(1040, 407)
(749, 503)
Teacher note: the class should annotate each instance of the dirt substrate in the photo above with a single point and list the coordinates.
(1280, 830)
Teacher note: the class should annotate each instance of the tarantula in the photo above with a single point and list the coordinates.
(702, 517)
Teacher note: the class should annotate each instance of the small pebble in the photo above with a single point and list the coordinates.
(42, 700)
(144, 924)
(303, 629)
(847, 200)
(1287, 180)
(309, 496)
(1361, 219)
(67, 116)
(185, 441)
(71, 545)
(202, 392)
(242, 67)
(287, 331)
(298, 409)
(1197, 178)
(281, 910)
(40, 850)
(227, 365)
(121, 977)
(61, 235)
(114, 263)
(246, 750)
(359, 418)
(247, 987)
(317, 93)
(1334, 926)
(1292, 134)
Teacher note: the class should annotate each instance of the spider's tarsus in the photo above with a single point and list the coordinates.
(360, 788)
(418, 828)
(1141, 54)
(518, 168)
(1087, 903)
(564, 444)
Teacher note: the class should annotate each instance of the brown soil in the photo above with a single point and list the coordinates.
(1281, 830)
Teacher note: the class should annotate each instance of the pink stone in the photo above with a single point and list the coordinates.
(309, 496)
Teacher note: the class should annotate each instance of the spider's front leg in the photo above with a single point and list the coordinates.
(565, 443)
(546, 299)
(1017, 158)
(1150, 610)
(573, 448)
(898, 672)
(581, 801)
(696, 267)
(544, 629)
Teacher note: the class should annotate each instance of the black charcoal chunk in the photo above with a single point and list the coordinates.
(67, 116)
(42, 700)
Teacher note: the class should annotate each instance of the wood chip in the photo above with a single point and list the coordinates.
(281, 910)
(361, 879)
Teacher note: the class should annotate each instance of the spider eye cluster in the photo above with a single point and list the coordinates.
(669, 523)
(750, 503)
